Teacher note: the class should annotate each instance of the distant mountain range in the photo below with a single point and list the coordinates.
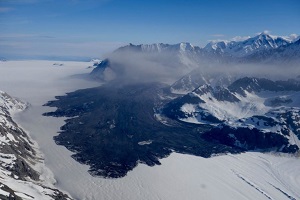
(257, 48)
(259, 43)
(184, 57)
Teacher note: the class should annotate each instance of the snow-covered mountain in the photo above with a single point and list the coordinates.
(287, 54)
(251, 113)
(156, 61)
(182, 47)
(19, 160)
(182, 58)
(183, 53)
(199, 77)
(103, 71)
(234, 49)
(240, 49)
(96, 61)
(263, 48)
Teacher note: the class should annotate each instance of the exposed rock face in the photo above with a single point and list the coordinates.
(251, 113)
(18, 155)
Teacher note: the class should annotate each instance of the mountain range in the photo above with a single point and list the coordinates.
(180, 59)
(247, 90)
(259, 43)
(257, 48)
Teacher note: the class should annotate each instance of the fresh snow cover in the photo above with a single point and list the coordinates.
(145, 142)
(7, 160)
(249, 105)
(229, 111)
(240, 48)
(25, 189)
(293, 37)
(268, 111)
(4, 193)
(11, 104)
(199, 77)
(96, 60)
(159, 47)
(188, 108)
(250, 175)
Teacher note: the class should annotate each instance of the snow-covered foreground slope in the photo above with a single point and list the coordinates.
(22, 171)
(244, 176)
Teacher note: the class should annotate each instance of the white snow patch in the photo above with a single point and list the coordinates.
(188, 108)
(145, 142)
(4, 193)
(232, 111)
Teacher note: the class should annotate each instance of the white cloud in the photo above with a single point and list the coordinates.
(265, 32)
(292, 37)
(240, 38)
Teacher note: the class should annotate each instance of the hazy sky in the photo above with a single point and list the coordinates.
(94, 27)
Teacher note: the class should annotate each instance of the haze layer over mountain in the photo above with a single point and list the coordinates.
(252, 101)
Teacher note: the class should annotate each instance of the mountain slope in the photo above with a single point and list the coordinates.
(199, 77)
(18, 157)
(239, 49)
(284, 54)
(148, 63)
(248, 109)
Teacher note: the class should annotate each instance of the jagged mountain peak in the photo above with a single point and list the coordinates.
(290, 38)
(10, 103)
(265, 34)
(263, 39)
(260, 42)
(186, 46)
(203, 89)
(198, 78)
(217, 45)
(159, 47)
(268, 41)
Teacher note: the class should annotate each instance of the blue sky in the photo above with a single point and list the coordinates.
(94, 27)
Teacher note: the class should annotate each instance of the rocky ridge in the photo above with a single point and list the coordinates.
(19, 158)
